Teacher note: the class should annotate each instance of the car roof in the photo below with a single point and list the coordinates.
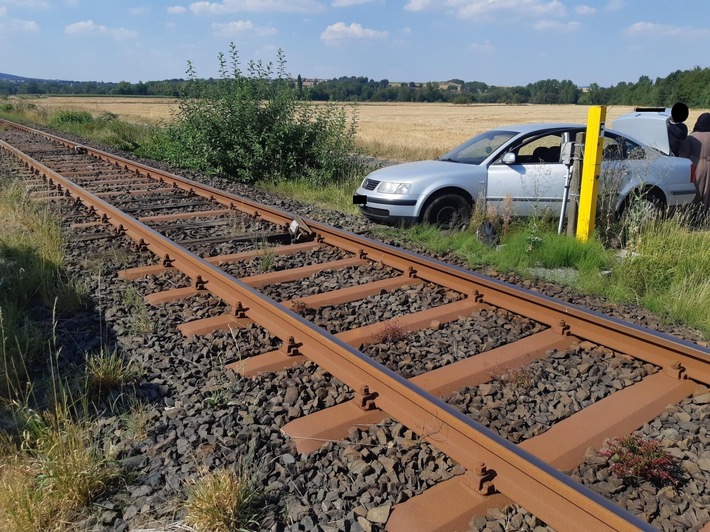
(534, 127)
(538, 126)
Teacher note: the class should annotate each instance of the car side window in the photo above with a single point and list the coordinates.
(540, 150)
(617, 148)
(612, 150)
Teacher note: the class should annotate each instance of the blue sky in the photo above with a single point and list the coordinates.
(499, 42)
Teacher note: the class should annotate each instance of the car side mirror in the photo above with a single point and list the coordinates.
(509, 158)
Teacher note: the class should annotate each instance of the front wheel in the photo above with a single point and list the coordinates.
(449, 211)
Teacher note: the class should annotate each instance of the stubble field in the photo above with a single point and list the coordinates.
(400, 131)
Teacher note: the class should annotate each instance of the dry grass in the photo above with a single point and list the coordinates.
(48, 479)
(401, 131)
(136, 110)
(224, 500)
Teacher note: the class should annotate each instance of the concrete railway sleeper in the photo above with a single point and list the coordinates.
(354, 332)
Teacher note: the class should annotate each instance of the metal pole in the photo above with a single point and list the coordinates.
(565, 198)
(574, 191)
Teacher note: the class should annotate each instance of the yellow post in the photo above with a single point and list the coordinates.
(590, 172)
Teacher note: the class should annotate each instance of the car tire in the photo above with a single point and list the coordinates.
(448, 211)
(488, 233)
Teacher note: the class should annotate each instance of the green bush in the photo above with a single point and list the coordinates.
(66, 118)
(252, 126)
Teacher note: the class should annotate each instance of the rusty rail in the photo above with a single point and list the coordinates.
(491, 460)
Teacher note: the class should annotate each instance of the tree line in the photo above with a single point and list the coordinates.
(689, 86)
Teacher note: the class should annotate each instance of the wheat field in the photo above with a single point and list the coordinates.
(400, 131)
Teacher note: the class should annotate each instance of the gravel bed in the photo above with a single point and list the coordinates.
(683, 432)
(191, 416)
(429, 349)
(524, 402)
(329, 280)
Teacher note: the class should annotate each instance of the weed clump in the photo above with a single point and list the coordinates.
(634, 459)
(520, 378)
(226, 499)
(299, 306)
(391, 331)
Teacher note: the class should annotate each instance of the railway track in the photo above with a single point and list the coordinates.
(235, 253)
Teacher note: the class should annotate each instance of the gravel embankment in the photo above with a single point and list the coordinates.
(190, 417)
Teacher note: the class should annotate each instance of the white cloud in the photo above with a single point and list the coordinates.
(30, 4)
(650, 29)
(17, 26)
(234, 6)
(614, 5)
(231, 29)
(340, 31)
(24, 25)
(483, 47)
(525, 8)
(479, 9)
(139, 10)
(88, 26)
(348, 3)
(177, 10)
(3, 11)
(582, 9)
(421, 5)
(556, 25)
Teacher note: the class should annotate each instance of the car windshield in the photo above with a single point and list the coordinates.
(477, 149)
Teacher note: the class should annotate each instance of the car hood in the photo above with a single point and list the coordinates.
(423, 170)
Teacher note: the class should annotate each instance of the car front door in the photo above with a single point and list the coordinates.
(530, 182)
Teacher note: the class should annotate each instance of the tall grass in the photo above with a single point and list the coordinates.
(338, 196)
(227, 499)
(105, 128)
(51, 466)
(668, 271)
(665, 268)
(51, 472)
(31, 272)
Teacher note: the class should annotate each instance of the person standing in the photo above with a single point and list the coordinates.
(677, 130)
(696, 147)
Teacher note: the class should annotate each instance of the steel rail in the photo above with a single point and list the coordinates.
(691, 360)
(537, 486)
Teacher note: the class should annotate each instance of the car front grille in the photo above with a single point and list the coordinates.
(370, 184)
(384, 213)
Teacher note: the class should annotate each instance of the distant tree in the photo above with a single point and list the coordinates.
(569, 92)
(123, 88)
(430, 93)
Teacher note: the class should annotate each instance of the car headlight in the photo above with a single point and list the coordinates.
(387, 187)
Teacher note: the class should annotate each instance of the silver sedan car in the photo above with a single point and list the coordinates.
(521, 169)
